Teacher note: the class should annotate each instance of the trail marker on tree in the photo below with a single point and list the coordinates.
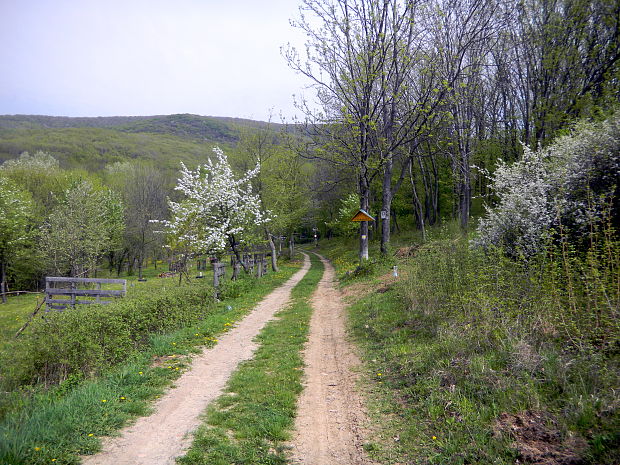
(362, 216)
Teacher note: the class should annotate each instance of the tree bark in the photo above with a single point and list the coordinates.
(233, 246)
(417, 205)
(386, 204)
(3, 280)
(272, 247)
(364, 202)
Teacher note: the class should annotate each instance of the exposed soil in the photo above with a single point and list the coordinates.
(355, 291)
(329, 428)
(538, 440)
(166, 434)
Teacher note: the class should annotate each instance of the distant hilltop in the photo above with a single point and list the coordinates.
(211, 128)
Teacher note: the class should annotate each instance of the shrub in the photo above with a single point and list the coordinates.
(571, 185)
(83, 341)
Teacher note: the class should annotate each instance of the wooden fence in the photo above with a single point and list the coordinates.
(71, 295)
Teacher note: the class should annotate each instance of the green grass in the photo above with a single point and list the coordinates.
(18, 308)
(251, 421)
(463, 339)
(14, 314)
(65, 421)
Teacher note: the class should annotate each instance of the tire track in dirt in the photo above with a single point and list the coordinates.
(161, 437)
(331, 416)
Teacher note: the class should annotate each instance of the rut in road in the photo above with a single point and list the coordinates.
(330, 420)
(161, 437)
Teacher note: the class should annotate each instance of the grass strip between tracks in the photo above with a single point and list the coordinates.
(251, 421)
(62, 423)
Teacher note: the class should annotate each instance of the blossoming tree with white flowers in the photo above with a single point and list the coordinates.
(571, 184)
(217, 210)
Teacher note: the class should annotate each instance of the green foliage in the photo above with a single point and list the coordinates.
(92, 149)
(85, 224)
(343, 225)
(16, 229)
(40, 175)
(463, 337)
(282, 182)
(85, 340)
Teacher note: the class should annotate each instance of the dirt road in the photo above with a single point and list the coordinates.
(331, 415)
(159, 438)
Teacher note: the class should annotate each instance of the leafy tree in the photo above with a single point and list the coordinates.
(572, 183)
(41, 175)
(16, 212)
(217, 209)
(86, 223)
(281, 183)
(144, 196)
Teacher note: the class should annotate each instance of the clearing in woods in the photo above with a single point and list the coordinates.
(330, 419)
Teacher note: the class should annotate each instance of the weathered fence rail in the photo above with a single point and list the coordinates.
(71, 293)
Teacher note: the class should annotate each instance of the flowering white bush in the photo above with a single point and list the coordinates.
(217, 209)
(573, 182)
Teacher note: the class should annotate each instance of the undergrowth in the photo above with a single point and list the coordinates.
(477, 358)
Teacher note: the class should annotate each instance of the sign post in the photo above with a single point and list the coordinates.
(360, 217)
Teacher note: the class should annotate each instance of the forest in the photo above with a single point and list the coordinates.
(483, 137)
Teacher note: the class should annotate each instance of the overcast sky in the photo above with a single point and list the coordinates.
(147, 57)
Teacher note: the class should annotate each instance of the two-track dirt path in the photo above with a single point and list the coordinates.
(331, 415)
(161, 437)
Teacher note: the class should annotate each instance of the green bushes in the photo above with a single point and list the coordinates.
(81, 342)
(467, 341)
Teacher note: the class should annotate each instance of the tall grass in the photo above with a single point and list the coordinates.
(466, 337)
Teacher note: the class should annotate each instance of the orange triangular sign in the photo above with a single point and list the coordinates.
(362, 215)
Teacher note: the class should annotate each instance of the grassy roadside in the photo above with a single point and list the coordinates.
(59, 424)
(478, 359)
(18, 308)
(251, 421)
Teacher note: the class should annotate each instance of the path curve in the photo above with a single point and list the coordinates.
(331, 415)
(161, 437)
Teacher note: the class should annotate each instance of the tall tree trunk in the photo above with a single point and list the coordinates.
(435, 193)
(141, 256)
(3, 287)
(272, 246)
(394, 226)
(364, 203)
(386, 204)
(465, 188)
(417, 205)
(291, 246)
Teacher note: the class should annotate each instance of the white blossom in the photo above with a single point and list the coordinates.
(570, 184)
(216, 209)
